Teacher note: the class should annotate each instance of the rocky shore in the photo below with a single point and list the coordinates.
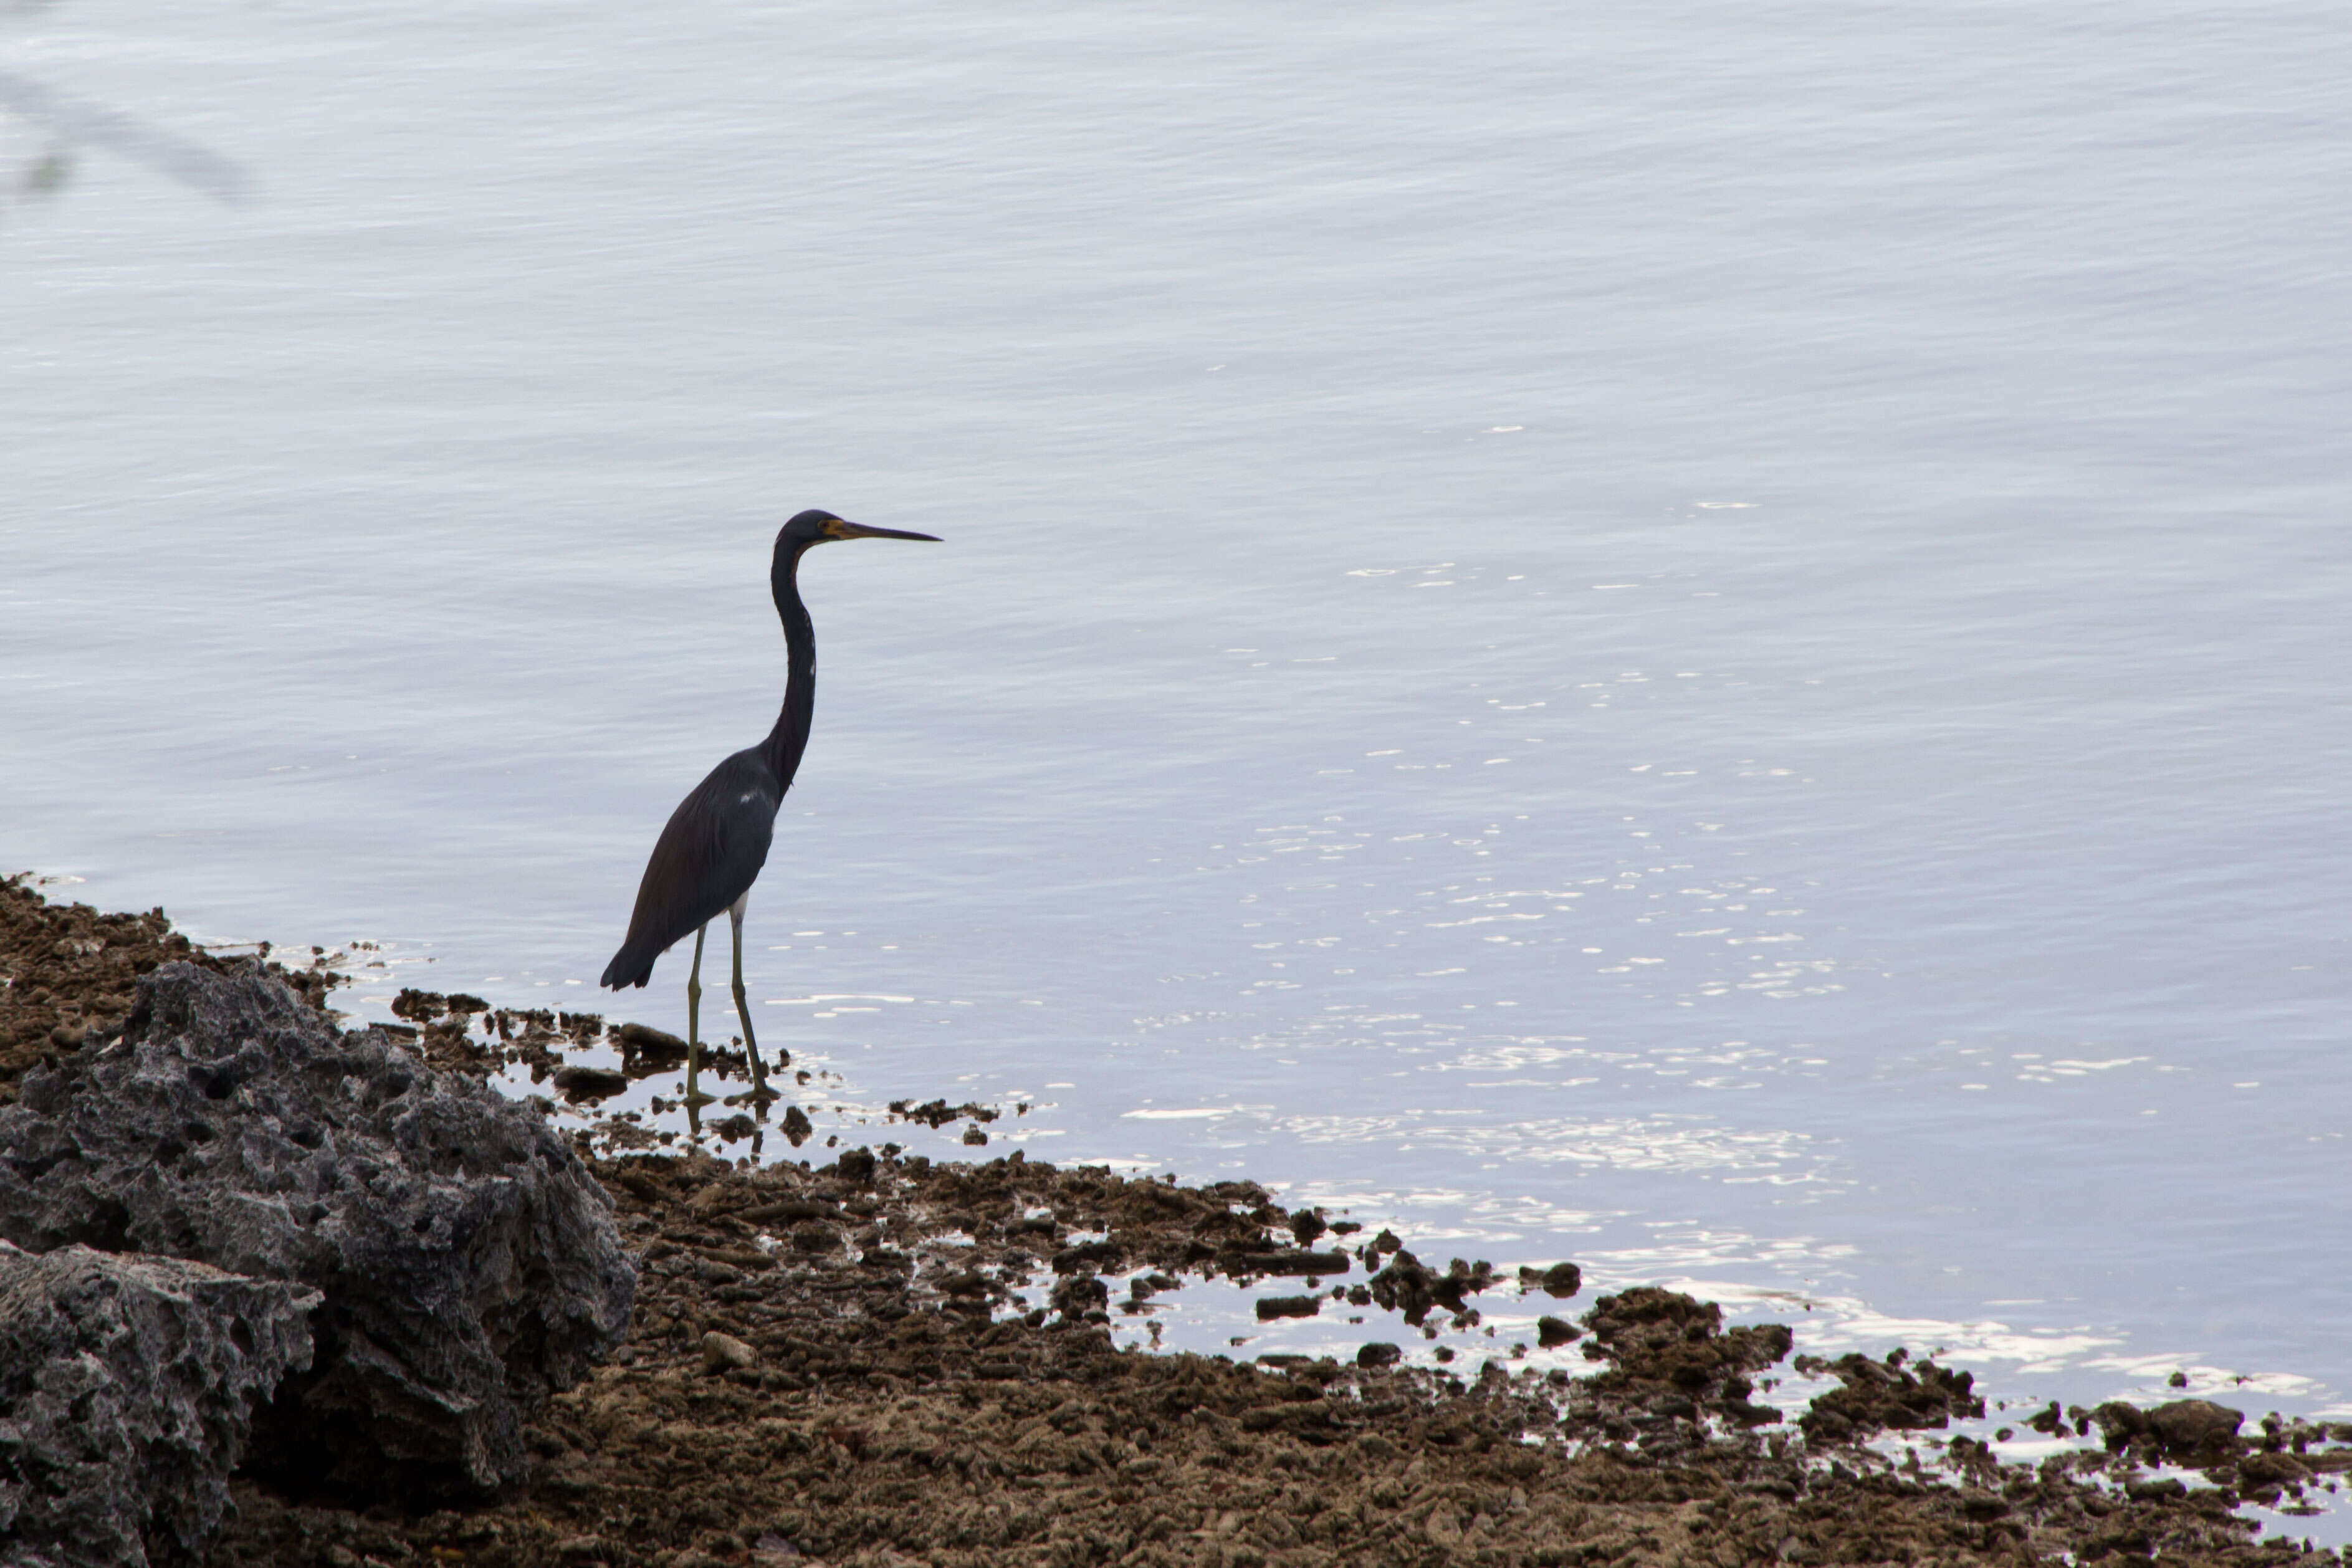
(276, 1292)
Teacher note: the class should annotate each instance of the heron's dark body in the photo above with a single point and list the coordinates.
(709, 855)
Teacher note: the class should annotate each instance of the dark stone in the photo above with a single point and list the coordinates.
(127, 1386)
(1379, 1353)
(419, 1006)
(790, 1211)
(1826, 1425)
(2186, 1430)
(646, 1051)
(1554, 1332)
(467, 1261)
(587, 1083)
(1411, 1286)
(2120, 1423)
(1658, 1341)
(2189, 1427)
(2270, 1469)
(1878, 1395)
(938, 1113)
(1559, 1281)
(1078, 1294)
(1287, 1263)
(1272, 1306)
(1089, 1255)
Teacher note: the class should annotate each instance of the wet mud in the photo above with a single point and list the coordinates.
(832, 1365)
(869, 1358)
(468, 1035)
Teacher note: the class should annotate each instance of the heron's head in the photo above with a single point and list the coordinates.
(815, 527)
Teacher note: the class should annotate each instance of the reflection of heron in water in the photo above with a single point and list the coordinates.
(710, 851)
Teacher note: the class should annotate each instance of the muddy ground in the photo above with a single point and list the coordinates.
(829, 1365)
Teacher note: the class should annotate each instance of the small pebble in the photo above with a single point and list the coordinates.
(722, 1353)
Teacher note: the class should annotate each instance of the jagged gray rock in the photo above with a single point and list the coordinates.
(467, 1261)
(126, 1390)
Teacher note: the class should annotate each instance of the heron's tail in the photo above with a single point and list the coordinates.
(629, 967)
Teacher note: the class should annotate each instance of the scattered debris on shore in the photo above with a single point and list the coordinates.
(880, 1360)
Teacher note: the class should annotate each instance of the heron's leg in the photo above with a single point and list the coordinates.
(743, 1008)
(695, 1098)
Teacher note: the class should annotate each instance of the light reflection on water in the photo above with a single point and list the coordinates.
(1654, 1143)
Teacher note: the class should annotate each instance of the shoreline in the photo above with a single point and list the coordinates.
(833, 1362)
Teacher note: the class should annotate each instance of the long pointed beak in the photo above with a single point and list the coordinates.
(859, 531)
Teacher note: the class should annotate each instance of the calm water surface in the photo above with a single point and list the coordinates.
(1710, 641)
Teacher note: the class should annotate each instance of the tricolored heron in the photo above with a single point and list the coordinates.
(710, 851)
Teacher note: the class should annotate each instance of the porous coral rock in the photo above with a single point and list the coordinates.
(126, 1392)
(466, 1260)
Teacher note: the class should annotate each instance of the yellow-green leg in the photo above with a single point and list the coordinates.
(695, 1098)
(760, 1093)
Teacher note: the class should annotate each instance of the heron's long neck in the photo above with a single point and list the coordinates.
(789, 739)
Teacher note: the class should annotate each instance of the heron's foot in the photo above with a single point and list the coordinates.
(696, 1100)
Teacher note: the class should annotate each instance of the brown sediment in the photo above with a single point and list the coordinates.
(835, 1365)
(68, 972)
(828, 1366)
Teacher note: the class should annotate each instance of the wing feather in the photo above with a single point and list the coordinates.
(710, 853)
